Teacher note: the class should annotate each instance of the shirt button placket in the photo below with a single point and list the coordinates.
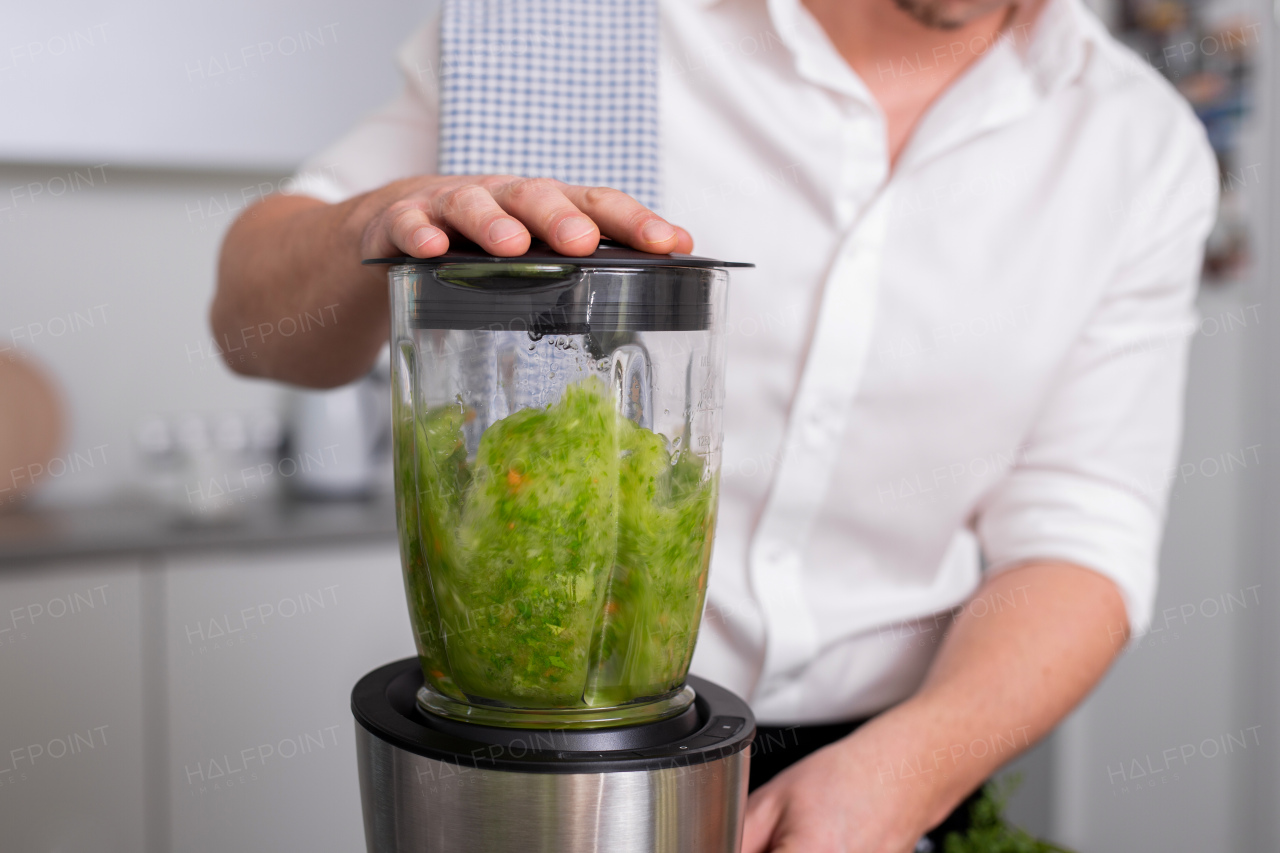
(817, 422)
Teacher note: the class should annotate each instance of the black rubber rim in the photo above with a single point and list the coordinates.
(609, 254)
(717, 726)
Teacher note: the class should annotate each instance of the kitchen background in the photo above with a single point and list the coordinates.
(209, 563)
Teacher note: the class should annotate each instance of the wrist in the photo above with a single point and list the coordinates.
(355, 218)
(333, 284)
(922, 755)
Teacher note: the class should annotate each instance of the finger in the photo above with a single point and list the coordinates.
(470, 210)
(762, 820)
(625, 219)
(540, 203)
(684, 241)
(412, 233)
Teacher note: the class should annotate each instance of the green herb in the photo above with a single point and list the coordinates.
(565, 566)
(989, 832)
(666, 520)
(437, 443)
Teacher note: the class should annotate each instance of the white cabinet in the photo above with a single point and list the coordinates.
(72, 751)
(263, 648)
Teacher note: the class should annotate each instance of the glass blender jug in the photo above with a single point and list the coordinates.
(557, 428)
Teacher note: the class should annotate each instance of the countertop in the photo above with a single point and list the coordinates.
(137, 527)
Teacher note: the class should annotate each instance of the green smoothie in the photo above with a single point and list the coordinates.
(565, 566)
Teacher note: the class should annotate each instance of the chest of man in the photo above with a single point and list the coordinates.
(978, 257)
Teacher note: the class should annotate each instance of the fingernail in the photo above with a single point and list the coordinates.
(573, 228)
(423, 235)
(504, 229)
(657, 231)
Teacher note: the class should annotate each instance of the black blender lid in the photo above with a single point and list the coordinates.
(610, 253)
(542, 292)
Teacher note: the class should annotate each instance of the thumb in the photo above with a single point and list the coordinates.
(761, 822)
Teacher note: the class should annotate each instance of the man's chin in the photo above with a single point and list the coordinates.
(944, 15)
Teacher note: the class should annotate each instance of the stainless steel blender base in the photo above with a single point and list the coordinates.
(413, 803)
(433, 786)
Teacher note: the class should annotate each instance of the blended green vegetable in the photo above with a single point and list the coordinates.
(565, 567)
(665, 515)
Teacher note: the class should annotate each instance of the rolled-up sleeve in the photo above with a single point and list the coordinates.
(1092, 484)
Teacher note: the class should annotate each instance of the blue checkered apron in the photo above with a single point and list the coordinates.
(562, 89)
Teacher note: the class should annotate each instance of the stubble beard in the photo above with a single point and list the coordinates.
(933, 13)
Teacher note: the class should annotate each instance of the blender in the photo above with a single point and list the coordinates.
(557, 427)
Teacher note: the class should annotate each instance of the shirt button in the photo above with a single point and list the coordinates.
(820, 425)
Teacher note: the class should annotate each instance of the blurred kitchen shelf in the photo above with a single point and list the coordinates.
(135, 527)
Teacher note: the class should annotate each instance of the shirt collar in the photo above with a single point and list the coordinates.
(1052, 38)
(816, 58)
(1060, 35)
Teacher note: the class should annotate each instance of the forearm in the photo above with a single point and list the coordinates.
(1031, 644)
(293, 262)
(293, 302)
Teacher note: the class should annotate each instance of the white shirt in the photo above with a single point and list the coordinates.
(978, 353)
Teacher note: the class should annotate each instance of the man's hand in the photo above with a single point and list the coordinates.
(1025, 649)
(416, 216)
(839, 800)
(291, 258)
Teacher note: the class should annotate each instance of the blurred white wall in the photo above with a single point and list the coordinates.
(108, 286)
(133, 134)
(240, 84)
(1158, 756)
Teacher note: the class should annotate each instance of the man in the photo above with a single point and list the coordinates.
(978, 228)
